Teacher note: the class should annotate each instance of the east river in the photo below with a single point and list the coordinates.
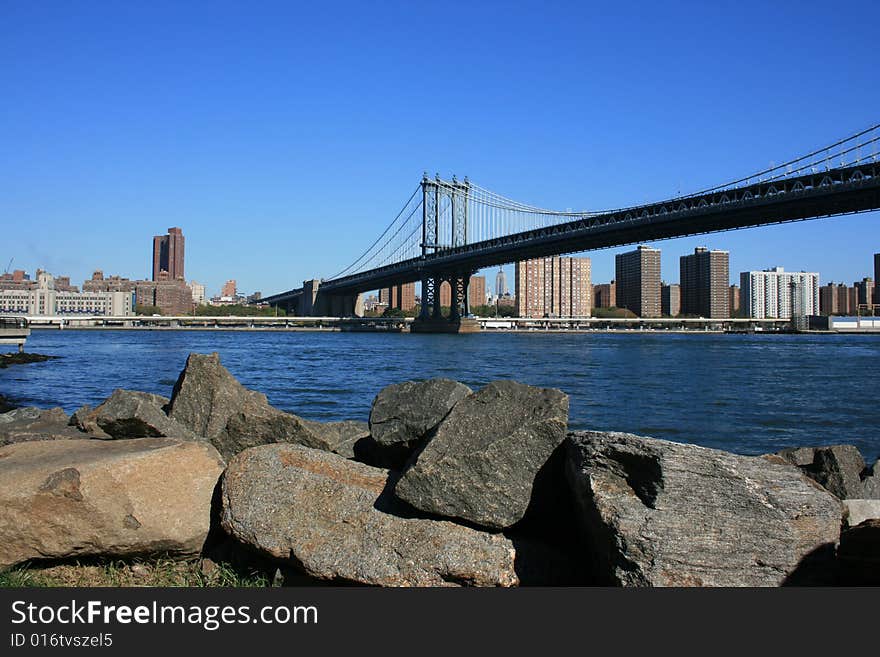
(749, 394)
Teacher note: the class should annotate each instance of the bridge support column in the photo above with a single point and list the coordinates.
(432, 321)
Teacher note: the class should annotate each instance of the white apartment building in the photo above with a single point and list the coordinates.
(775, 293)
(198, 293)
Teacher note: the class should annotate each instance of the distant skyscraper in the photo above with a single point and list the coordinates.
(229, 289)
(168, 251)
(500, 283)
(670, 300)
(775, 293)
(555, 286)
(637, 274)
(705, 283)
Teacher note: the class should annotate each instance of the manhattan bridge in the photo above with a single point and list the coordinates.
(449, 229)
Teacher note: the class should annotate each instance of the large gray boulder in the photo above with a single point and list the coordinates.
(30, 423)
(130, 414)
(657, 513)
(404, 414)
(328, 517)
(838, 467)
(72, 498)
(211, 403)
(871, 483)
(338, 437)
(483, 463)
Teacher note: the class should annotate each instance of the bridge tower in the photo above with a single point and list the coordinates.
(442, 199)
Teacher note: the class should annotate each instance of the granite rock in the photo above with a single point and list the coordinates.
(485, 459)
(657, 513)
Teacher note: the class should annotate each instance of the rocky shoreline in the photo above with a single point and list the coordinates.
(443, 486)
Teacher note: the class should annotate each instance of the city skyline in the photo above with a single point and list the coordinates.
(106, 150)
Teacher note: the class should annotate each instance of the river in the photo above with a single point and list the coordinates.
(748, 394)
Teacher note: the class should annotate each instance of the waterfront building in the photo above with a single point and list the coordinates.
(168, 252)
(670, 300)
(556, 286)
(733, 296)
(637, 274)
(705, 282)
(171, 296)
(605, 295)
(476, 292)
(865, 288)
(99, 283)
(229, 289)
(198, 293)
(402, 297)
(775, 293)
(45, 299)
(837, 299)
(501, 283)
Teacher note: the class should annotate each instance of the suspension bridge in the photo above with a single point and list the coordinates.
(450, 229)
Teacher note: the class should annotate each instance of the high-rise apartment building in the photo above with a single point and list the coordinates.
(837, 299)
(402, 297)
(476, 292)
(670, 300)
(865, 288)
(168, 254)
(501, 283)
(775, 293)
(556, 286)
(705, 283)
(637, 274)
(229, 289)
(733, 296)
(198, 293)
(604, 295)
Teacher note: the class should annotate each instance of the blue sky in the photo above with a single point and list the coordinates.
(283, 137)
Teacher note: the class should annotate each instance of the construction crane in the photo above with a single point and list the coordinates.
(9, 265)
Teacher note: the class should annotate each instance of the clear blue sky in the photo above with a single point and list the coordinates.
(283, 137)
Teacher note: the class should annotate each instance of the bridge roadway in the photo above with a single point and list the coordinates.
(837, 191)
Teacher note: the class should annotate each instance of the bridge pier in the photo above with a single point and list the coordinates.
(431, 320)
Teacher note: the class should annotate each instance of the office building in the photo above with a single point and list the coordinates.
(637, 274)
(168, 252)
(229, 289)
(556, 286)
(705, 283)
(501, 283)
(670, 300)
(775, 293)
